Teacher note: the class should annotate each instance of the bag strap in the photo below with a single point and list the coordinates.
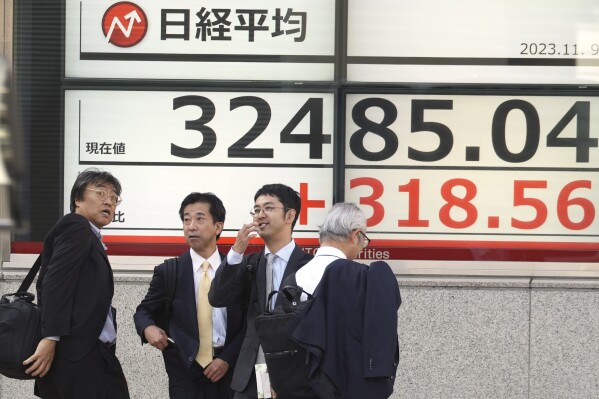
(170, 284)
(36, 268)
(253, 261)
(31, 275)
(292, 293)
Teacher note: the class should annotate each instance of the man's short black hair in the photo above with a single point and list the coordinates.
(217, 209)
(288, 197)
(94, 176)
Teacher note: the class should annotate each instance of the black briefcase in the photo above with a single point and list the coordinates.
(288, 363)
(20, 328)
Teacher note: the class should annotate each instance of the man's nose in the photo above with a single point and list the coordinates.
(108, 201)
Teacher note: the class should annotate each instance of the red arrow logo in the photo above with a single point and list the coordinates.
(124, 24)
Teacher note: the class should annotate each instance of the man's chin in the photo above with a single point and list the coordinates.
(263, 234)
(196, 245)
(103, 221)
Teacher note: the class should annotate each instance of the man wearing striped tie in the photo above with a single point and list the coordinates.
(247, 279)
(202, 343)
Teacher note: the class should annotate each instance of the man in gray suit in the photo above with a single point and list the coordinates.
(244, 279)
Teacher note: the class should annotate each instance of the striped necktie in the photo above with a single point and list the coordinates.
(270, 259)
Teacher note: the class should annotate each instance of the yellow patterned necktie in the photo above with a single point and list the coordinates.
(204, 309)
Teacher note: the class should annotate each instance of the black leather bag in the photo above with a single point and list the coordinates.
(20, 327)
(288, 363)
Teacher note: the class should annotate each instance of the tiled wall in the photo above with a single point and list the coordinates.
(459, 338)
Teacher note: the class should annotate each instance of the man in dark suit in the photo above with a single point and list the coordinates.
(203, 217)
(350, 327)
(76, 358)
(244, 279)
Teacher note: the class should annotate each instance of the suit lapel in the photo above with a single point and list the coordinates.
(293, 263)
(186, 288)
(261, 281)
(97, 244)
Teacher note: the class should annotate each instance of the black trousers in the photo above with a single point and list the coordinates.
(98, 375)
(250, 391)
(193, 384)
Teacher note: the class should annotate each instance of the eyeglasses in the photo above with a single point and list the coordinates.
(267, 210)
(102, 195)
(366, 239)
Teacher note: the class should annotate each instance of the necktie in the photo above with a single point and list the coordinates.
(269, 260)
(204, 309)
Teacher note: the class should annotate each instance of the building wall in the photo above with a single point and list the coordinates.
(459, 338)
(6, 26)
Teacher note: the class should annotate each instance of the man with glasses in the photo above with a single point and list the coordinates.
(341, 237)
(247, 280)
(76, 356)
(350, 327)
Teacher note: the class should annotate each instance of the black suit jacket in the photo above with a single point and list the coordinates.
(357, 349)
(183, 326)
(74, 296)
(245, 284)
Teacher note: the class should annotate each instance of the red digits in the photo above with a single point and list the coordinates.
(378, 211)
(463, 203)
(538, 205)
(413, 220)
(564, 201)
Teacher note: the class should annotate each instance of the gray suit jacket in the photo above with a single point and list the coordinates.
(245, 284)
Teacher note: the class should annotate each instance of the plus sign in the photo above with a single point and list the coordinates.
(307, 204)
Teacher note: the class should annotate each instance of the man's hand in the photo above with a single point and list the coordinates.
(156, 337)
(216, 369)
(41, 360)
(247, 232)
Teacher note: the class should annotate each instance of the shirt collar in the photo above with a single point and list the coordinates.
(284, 253)
(197, 260)
(96, 230)
(330, 251)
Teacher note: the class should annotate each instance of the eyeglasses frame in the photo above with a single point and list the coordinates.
(116, 202)
(263, 209)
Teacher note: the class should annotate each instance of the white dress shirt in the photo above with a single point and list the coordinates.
(280, 263)
(310, 275)
(108, 334)
(219, 315)
(278, 266)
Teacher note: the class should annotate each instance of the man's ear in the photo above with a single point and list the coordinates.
(355, 236)
(290, 216)
(219, 227)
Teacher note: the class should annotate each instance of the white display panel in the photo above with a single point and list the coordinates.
(488, 175)
(522, 171)
(162, 150)
(231, 40)
(466, 41)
